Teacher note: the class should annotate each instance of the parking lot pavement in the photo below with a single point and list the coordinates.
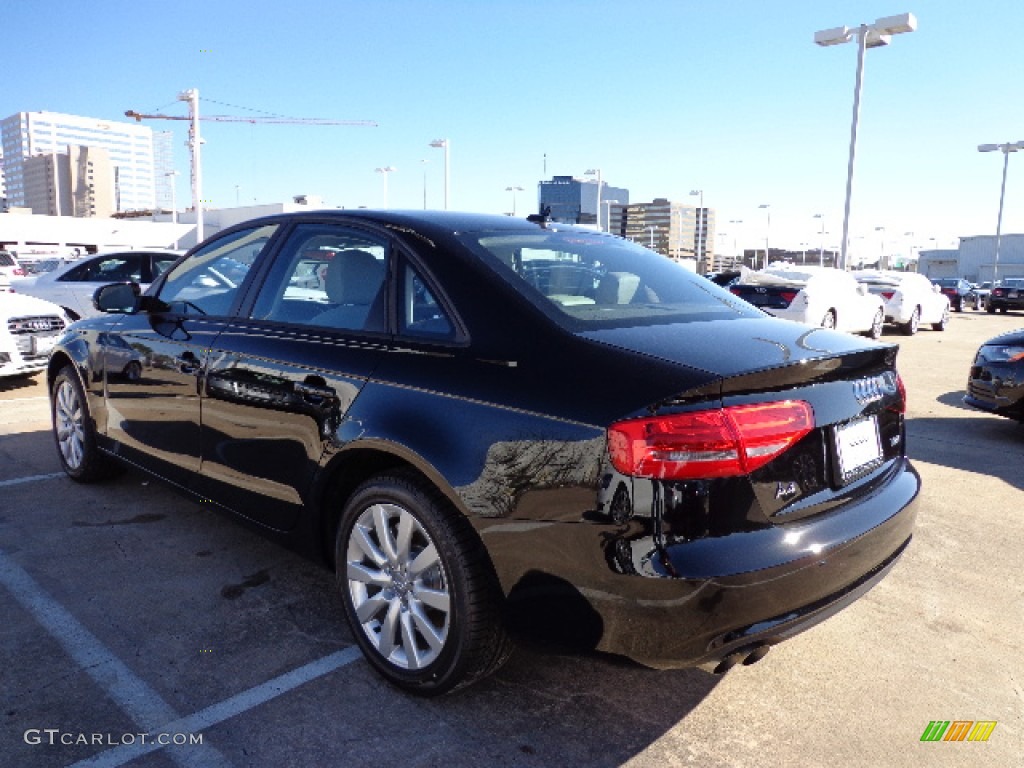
(129, 610)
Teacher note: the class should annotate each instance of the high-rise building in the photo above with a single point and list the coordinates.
(27, 135)
(574, 201)
(79, 183)
(673, 229)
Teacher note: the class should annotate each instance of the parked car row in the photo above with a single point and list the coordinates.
(819, 296)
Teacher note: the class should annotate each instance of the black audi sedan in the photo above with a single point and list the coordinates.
(486, 424)
(996, 381)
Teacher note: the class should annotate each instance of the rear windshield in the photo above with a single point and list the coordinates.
(588, 279)
(6, 260)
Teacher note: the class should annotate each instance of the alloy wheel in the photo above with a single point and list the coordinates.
(398, 586)
(69, 418)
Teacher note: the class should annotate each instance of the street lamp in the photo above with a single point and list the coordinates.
(608, 213)
(423, 164)
(821, 251)
(597, 212)
(767, 231)
(735, 247)
(700, 244)
(652, 228)
(513, 190)
(1006, 149)
(444, 144)
(867, 36)
(173, 175)
(384, 172)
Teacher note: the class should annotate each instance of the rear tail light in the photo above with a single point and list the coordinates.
(788, 296)
(901, 407)
(887, 295)
(19, 272)
(724, 442)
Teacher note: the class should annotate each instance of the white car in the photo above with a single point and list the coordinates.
(29, 327)
(9, 270)
(910, 299)
(72, 285)
(822, 296)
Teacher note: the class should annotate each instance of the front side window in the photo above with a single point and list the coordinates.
(597, 280)
(208, 281)
(329, 276)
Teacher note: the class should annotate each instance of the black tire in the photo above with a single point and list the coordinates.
(829, 320)
(75, 432)
(1003, 310)
(910, 327)
(958, 305)
(943, 323)
(428, 618)
(875, 332)
(990, 308)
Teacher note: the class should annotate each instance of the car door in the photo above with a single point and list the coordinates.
(280, 381)
(154, 409)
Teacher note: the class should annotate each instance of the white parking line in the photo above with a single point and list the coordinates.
(226, 709)
(131, 694)
(134, 696)
(30, 479)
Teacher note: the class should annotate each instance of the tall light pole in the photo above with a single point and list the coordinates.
(384, 171)
(597, 213)
(192, 97)
(821, 251)
(735, 248)
(700, 239)
(446, 145)
(608, 213)
(173, 175)
(423, 164)
(867, 36)
(513, 190)
(767, 231)
(1006, 149)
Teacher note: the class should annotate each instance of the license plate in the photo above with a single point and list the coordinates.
(1012, 295)
(857, 446)
(41, 345)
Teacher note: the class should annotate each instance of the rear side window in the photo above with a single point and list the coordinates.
(107, 269)
(420, 313)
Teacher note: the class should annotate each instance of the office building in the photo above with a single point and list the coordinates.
(573, 200)
(28, 135)
(672, 229)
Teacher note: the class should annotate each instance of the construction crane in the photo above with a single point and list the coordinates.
(192, 97)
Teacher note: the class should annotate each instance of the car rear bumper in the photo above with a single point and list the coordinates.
(702, 601)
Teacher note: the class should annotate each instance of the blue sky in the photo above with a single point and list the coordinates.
(663, 96)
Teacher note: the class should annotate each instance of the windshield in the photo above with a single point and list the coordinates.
(592, 280)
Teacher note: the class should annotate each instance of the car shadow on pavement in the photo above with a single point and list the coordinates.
(128, 552)
(983, 444)
(15, 383)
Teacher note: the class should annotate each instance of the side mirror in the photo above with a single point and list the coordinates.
(117, 298)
